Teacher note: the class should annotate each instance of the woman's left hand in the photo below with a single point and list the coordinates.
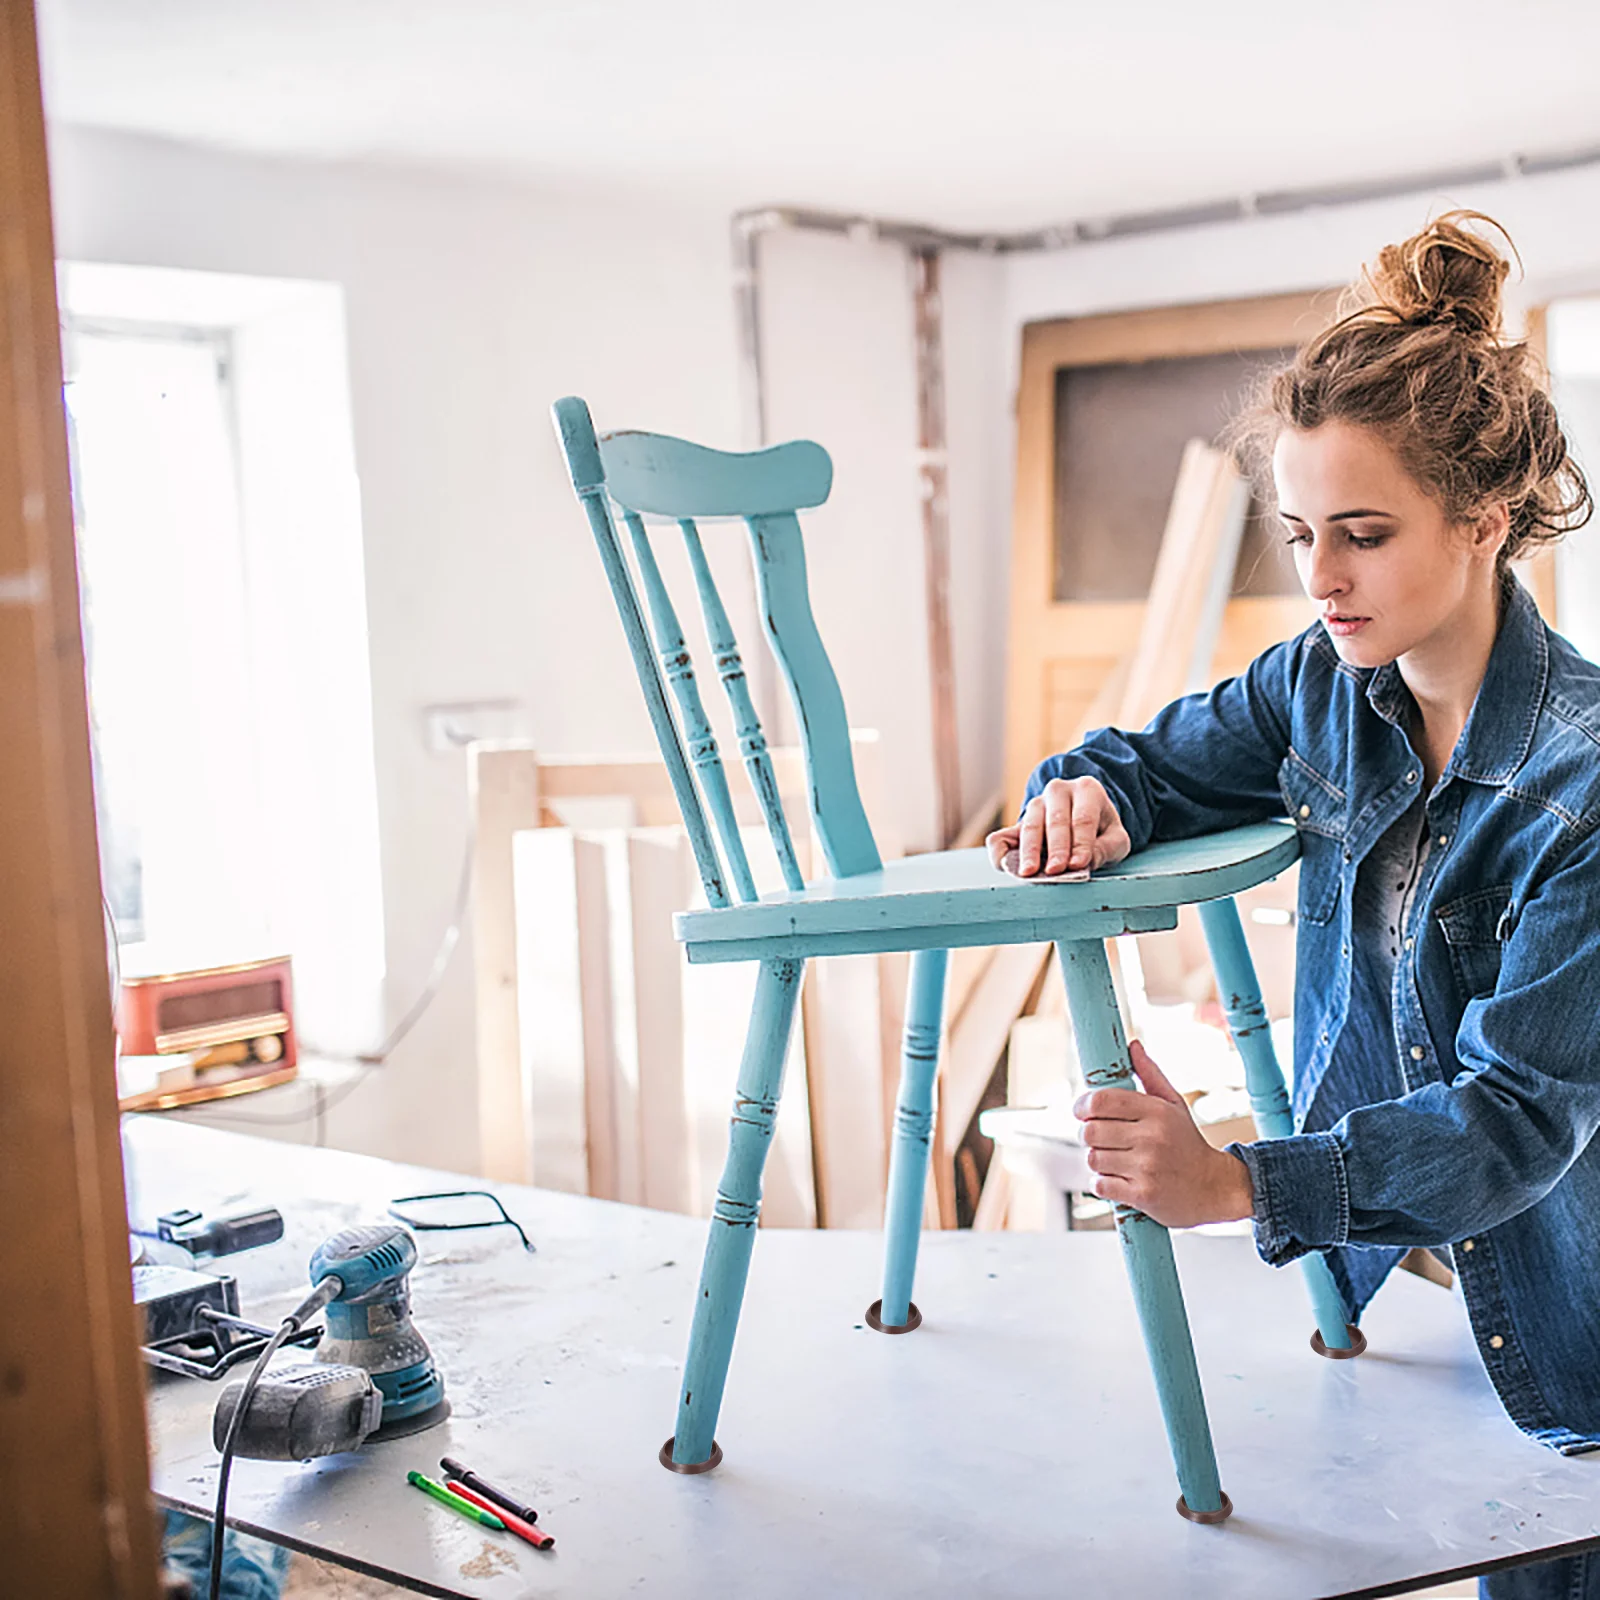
(1151, 1155)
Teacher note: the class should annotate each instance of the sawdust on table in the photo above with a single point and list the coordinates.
(488, 1562)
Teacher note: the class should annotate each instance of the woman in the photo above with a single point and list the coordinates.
(1438, 749)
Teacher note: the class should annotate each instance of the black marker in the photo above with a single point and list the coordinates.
(487, 1490)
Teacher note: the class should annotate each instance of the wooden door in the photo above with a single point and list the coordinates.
(1104, 406)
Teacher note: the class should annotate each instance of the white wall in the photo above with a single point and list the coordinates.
(470, 306)
(840, 367)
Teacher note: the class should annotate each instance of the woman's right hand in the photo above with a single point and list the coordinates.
(1069, 826)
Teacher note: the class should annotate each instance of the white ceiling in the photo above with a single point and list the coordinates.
(1009, 114)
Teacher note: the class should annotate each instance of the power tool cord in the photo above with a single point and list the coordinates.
(218, 1525)
(325, 1291)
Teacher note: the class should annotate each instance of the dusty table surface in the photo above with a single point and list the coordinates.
(1010, 1447)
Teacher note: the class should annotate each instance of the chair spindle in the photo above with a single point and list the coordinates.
(678, 666)
(582, 452)
(747, 725)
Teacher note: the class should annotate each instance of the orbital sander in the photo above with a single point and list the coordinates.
(373, 1376)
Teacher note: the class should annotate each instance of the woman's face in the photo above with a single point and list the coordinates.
(1388, 571)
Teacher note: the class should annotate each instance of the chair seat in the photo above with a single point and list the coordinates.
(956, 897)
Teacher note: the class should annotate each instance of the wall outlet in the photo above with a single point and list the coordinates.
(455, 725)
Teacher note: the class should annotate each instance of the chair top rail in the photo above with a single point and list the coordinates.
(661, 476)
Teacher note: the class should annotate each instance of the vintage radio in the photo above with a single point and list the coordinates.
(227, 1029)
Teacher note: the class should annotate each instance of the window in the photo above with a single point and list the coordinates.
(225, 628)
(166, 636)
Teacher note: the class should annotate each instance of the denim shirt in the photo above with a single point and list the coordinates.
(1461, 1111)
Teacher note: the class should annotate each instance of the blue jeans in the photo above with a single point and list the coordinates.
(252, 1569)
(1565, 1578)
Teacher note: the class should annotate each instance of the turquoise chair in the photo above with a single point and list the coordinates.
(925, 904)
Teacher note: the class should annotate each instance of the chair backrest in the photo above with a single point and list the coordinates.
(648, 474)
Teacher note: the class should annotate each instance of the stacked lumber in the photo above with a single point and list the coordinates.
(606, 1064)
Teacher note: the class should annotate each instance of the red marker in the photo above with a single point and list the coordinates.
(523, 1530)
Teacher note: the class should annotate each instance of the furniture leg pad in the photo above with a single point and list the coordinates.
(913, 1319)
(689, 1468)
(1358, 1343)
(1221, 1514)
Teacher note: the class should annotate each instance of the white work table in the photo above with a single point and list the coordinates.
(1012, 1446)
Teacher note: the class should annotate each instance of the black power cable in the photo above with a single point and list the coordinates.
(218, 1524)
(328, 1289)
(425, 1225)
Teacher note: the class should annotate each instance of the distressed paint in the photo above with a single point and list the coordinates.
(678, 666)
(746, 724)
(736, 1212)
(1269, 1097)
(1146, 1245)
(935, 935)
(666, 477)
(913, 1133)
(960, 888)
(836, 810)
(575, 431)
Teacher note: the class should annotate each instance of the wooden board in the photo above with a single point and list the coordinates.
(503, 791)
(564, 995)
(75, 1510)
(1188, 593)
(661, 871)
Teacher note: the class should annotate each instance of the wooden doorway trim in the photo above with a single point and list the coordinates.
(1538, 571)
(1041, 626)
(75, 1509)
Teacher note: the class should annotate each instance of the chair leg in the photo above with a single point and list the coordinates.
(693, 1447)
(1147, 1247)
(1269, 1100)
(913, 1133)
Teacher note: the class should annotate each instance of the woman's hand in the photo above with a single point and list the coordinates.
(1150, 1154)
(1069, 827)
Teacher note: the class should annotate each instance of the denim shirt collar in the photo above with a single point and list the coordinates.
(1499, 730)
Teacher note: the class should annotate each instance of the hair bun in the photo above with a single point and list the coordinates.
(1444, 275)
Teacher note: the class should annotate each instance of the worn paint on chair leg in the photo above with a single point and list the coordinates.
(913, 1134)
(1146, 1245)
(736, 1212)
(1269, 1098)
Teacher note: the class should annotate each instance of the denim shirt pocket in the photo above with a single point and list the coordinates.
(1474, 929)
(1316, 806)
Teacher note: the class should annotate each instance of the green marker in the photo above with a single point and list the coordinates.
(454, 1501)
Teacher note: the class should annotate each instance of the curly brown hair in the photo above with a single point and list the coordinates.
(1419, 356)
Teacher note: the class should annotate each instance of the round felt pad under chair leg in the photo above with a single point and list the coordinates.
(1358, 1343)
(690, 1468)
(1221, 1514)
(874, 1320)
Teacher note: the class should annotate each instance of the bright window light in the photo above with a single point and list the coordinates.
(167, 638)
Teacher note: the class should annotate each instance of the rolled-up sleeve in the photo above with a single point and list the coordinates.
(1518, 1104)
(1302, 1199)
